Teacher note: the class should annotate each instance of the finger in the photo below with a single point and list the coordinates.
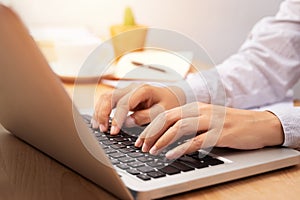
(157, 127)
(120, 115)
(184, 127)
(187, 147)
(163, 122)
(131, 101)
(104, 106)
(145, 116)
(102, 111)
(205, 140)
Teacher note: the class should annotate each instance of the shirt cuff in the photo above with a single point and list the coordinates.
(289, 118)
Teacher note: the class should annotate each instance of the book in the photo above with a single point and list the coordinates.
(149, 66)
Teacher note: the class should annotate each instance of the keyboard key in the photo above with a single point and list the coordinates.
(133, 131)
(195, 153)
(114, 161)
(118, 146)
(202, 157)
(144, 177)
(136, 164)
(133, 139)
(145, 159)
(135, 154)
(127, 143)
(133, 171)
(181, 166)
(169, 170)
(108, 135)
(145, 169)
(155, 164)
(156, 174)
(135, 148)
(210, 160)
(123, 166)
(100, 139)
(214, 162)
(117, 155)
(192, 162)
(98, 134)
(205, 157)
(126, 150)
(109, 151)
(108, 142)
(119, 139)
(126, 159)
(162, 159)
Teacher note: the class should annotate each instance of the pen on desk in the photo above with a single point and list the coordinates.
(148, 66)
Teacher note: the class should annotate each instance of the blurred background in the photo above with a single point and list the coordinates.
(219, 26)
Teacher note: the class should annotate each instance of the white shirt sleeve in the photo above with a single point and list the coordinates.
(266, 66)
(289, 118)
(262, 72)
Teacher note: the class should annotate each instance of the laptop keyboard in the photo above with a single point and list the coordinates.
(124, 155)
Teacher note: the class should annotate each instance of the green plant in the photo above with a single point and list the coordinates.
(128, 17)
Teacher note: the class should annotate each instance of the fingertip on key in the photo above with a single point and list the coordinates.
(94, 123)
(114, 130)
(138, 142)
(153, 150)
(145, 147)
(102, 128)
(172, 155)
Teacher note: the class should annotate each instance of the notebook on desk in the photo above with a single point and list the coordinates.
(149, 65)
(36, 108)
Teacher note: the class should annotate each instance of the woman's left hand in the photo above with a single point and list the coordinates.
(210, 125)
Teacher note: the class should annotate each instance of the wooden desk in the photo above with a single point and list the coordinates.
(26, 173)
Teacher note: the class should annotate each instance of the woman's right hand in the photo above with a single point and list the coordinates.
(145, 101)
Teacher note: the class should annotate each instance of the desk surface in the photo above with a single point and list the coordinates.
(26, 173)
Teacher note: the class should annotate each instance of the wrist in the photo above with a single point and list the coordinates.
(274, 134)
(178, 94)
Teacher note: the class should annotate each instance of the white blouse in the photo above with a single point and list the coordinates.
(262, 72)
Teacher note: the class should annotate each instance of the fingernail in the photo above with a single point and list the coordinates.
(94, 123)
(145, 148)
(130, 122)
(138, 142)
(153, 150)
(114, 130)
(102, 128)
(171, 154)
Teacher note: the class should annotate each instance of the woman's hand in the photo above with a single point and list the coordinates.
(145, 101)
(218, 126)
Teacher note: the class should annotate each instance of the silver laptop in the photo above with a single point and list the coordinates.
(35, 107)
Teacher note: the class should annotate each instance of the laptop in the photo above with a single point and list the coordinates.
(35, 108)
